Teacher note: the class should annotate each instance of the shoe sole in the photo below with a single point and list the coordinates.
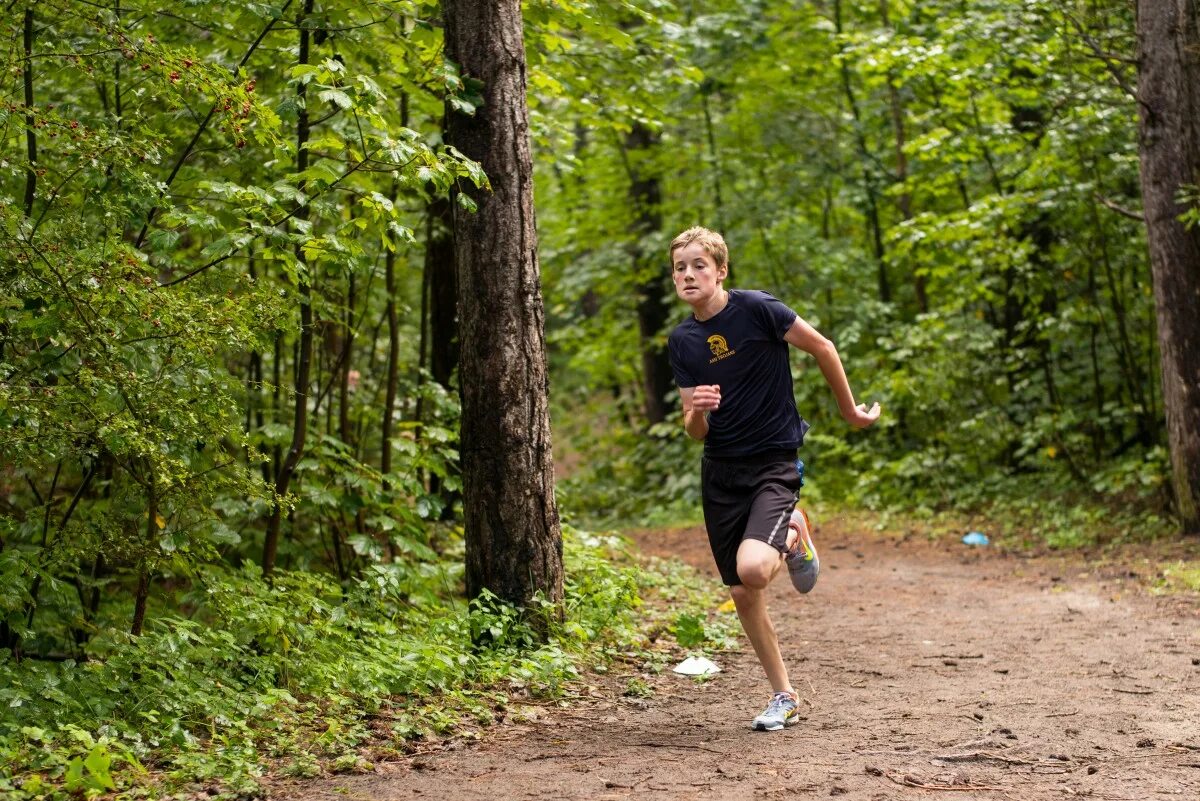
(804, 579)
(764, 727)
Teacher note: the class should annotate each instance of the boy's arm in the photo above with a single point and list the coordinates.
(808, 339)
(697, 403)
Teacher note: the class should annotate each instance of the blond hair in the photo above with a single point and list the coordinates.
(712, 242)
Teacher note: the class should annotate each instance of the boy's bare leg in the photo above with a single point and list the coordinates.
(758, 563)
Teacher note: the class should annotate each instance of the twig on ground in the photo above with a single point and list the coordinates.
(908, 781)
(679, 745)
(953, 656)
(979, 756)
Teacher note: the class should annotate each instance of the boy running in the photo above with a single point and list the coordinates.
(730, 360)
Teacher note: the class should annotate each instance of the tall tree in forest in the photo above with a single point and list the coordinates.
(1169, 143)
(653, 310)
(285, 471)
(513, 539)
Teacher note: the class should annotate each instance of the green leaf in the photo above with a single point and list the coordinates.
(98, 763)
(337, 97)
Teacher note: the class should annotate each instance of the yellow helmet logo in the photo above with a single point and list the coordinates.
(718, 345)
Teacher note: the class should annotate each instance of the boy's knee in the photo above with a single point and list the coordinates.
(741, 594)
(755, 575)
(757, 563)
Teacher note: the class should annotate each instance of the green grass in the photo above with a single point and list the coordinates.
(1180, 576)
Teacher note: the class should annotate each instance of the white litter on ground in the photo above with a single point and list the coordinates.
(697, 666)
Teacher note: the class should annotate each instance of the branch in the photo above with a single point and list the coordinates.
(187, 151)
(1119, 209)
(299, 207)
(1117, 73)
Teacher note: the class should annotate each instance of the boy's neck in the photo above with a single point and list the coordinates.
(711, 307)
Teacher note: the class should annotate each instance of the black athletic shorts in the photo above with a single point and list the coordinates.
(748, 498)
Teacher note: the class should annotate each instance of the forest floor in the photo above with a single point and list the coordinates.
(927, 670)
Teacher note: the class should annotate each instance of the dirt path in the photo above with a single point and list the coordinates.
(986, 676)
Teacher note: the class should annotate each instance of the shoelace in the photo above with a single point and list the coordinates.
(802, 548)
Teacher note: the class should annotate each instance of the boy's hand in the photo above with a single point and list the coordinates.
(706, 398)
(862, 417)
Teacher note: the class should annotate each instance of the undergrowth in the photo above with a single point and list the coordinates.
(297, 676)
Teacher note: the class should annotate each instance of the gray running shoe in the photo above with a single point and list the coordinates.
(802, 561)
(782, 711)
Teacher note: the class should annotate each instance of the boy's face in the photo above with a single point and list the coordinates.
(696, 275)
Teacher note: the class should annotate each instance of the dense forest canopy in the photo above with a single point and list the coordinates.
(227, 321)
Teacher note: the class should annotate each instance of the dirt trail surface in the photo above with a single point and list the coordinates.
(927, 671)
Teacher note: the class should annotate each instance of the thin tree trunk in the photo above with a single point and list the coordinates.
(714, 159)
(443, 313)
(393, 324)
(1168, 33)
(514, 543)
(904, 198)
(143, 586)
(653, 309)
(287, 469)
(276, 402)
(443, 289)
(869, 182)
(393, 360)
(423, 343)
(347, 357)
(30, 136)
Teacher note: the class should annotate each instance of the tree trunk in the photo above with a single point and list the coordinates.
(143, 586)
(869, 179)
(443, 315)
(443, 301)
(653, 309)
(393, 361)
(30, 122)
(285, 471)
(514, 543)
(904, 198)
(1168, 33)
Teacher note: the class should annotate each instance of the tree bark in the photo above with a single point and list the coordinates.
(653, 309)
(393, 362)
(143, 586)
(287, 469)
(443, 290)
(513, 539)
(30, 122)
(1168, 33)
(443, 315)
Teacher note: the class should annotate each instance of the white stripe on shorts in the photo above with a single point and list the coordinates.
(786, 514)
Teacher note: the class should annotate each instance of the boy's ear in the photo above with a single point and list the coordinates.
(723, 273)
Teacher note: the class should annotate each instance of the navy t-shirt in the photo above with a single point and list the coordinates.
(742, 350)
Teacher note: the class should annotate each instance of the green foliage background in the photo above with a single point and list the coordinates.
(944, 189)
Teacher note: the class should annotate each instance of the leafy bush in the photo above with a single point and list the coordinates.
(255, 666)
